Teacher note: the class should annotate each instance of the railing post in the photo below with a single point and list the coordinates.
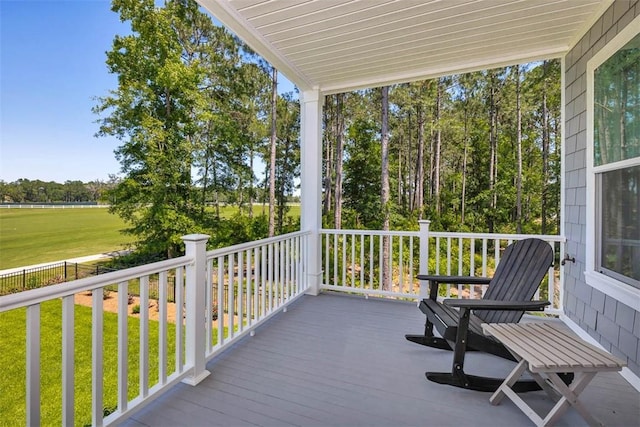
(195, 328)
(424, 256)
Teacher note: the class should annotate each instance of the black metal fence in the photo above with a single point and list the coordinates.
(38, 277)
(154, 288)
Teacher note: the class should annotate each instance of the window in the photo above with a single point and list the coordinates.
(614, 163)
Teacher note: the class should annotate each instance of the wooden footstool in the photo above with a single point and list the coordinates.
(545, 349)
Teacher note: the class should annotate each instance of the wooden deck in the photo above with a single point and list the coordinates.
(337, 360)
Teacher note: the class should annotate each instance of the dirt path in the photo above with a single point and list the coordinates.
(110, 303)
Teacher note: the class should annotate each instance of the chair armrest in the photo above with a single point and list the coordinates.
(460, 280)
(483, 304)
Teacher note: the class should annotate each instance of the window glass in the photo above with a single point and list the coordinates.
(620, 224)
(616, 133)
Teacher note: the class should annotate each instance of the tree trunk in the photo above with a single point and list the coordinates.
(545, 152)
(519, 154)
(384, 196)
(272, 158)
(437, 148)
(419, 194)
(328, 156)
(251, 198)
(464, 161)
(339, 156)
(493, 150)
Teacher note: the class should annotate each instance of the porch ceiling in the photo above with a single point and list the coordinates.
(341, 45)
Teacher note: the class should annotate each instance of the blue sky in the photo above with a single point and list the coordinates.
(52, 67)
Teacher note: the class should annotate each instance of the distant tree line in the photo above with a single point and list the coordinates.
(37, 191)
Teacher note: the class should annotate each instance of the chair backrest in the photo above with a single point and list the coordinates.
(518, 275)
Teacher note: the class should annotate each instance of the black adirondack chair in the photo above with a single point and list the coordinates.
(517, 277)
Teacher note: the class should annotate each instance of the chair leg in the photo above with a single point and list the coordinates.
(458, 378)
(476, 383)
(429, 339)
(432, 341)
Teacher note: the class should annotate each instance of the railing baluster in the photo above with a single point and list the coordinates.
(231, 306)
(144, 336)
(208, 295)
(255, 286)
(271, 276)
(460, 272)
(448, 256)
(344, 259)
(298, 279)
(326, 259)
(240, 291)
(263, 289)
(249, 276)
(484, 256)
(472, 257)
(411, 278)
(123, 343)
(179, 290)
(275, 268)
(362, 261)
(371, 269)
(353, 261)
(33, 365)
(96, 357)
(460, 256)
(400, 265)
(221, 301)
(287, 267)
(437, 256)
(390, 272)
(162, 327)
(68, 360)
(279, 274)
(380, 261)
(335, 259)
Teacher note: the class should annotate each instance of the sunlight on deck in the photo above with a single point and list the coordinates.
(342, 360)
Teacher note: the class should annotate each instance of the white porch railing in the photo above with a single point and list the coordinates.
(248, 283)
(234, 289)
(220, 296)
(353, 262)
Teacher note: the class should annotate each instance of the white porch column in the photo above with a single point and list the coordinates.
(195, 248)
(311, 182)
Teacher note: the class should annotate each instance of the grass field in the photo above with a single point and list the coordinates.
(12, 360)
(33, 236)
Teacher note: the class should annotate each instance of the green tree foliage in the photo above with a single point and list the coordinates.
(362, 169)
(190, 110)
(153, 113)
(453, 152)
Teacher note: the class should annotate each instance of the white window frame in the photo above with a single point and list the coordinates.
(621, 291)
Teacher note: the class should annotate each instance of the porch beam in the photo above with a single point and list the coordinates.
(311, 102)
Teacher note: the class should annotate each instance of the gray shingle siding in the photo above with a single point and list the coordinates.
(613, 324)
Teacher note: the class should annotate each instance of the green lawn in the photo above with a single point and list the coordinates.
(33, 236)
(12, 360)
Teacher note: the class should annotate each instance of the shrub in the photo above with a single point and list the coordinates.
(136, 309)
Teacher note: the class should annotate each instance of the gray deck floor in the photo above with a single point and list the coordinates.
(336, 360)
